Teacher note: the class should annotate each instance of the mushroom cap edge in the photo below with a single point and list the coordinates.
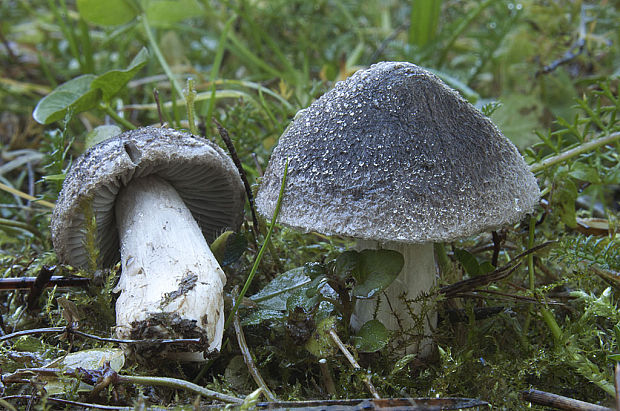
(201, 172)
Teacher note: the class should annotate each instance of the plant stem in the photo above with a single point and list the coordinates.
(577, 360)
(530, 257)
(445, 265)
(179, 384)
(555, 329)
(7, 405)
(5, 222)
(531, 281)
(190, 96)
(353, 362)
(566, 155)
(260, 252)
(458, 31)
(25, 283)
(249, 361)
(120, 120)
(327, 377)
(160, 57)
(25, 196)
(215, 68)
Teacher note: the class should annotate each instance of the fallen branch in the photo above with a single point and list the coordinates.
(452, 290)
(24, 283)
(70, 330)
(573, 52)
(87, 405)
(557, 401)
(327, 377)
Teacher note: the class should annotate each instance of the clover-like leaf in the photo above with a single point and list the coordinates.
(86, 92)
(106, 13)
(101, 133)
(75, 95)
(163, 13)
(372, 337)
(113, 81)
(346, 264)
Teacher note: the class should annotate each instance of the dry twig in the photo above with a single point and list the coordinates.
(557, 401)
(249, 361)
(353, 362)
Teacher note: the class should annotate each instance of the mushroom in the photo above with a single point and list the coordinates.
(152, 198)
(396, 159)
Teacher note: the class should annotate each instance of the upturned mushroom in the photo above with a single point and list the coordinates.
(152, 198)
(396, 159)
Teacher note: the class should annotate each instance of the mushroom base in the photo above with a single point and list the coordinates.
(414, 320)
(171, 284)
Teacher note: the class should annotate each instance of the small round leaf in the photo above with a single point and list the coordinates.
(372, 337)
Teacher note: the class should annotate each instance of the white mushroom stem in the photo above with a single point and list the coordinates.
(417, 276)
(167, 266)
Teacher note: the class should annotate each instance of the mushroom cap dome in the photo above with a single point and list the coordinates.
(393, 154)
(203, 175)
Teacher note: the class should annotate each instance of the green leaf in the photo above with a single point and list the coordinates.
(424, 20)
(101, 133)
(87, 359)
(614, 357)
(75, 95)
(372, 337)
(86, 92)
(346, 263)
(314, 270)
(518, 117)
(489, 108)
(256, 317)
(402, 363)
(563, 197)
(300, 287)
(376, 270)
(163, 13)
(584, 172)
(55, 177)
(320, 343)
(274, 295)
(307, 297)
(617, 333)
(228, 247)
(106, 13)
(113, 81)
(468, 261)
(486, 267)
(250, 401)
(471, 264)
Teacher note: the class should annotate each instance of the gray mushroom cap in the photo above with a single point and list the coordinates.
(393, 154)
(203, 175)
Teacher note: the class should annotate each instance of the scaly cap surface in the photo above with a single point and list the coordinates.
(393, 154)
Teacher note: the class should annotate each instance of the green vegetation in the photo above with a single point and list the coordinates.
(545, 72)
